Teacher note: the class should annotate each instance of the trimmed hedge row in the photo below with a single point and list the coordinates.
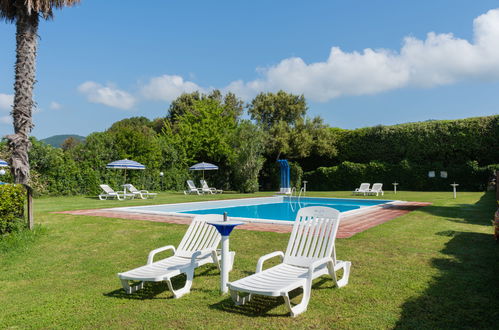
(445, 141)
(410, 175)
(12, 201)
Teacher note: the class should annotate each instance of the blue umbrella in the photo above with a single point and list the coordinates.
(126, 164)
(203, 167)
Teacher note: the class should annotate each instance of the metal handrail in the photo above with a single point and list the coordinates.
(291, 198)
(302, 190)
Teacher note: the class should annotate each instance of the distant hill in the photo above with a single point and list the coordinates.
(57, 140)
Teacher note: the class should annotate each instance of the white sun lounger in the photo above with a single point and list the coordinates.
(109, 192)
(376, 189)
(363, 189)
(198, 247)
(309, 255)
(205, 188)
(140, 193)
(192, 188)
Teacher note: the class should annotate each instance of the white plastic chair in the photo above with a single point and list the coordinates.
(192, 188)
(140, 193)
(376, 189)
(206, 188)
(198, 247)
(363, 189)
(309, 255)
(109, 192)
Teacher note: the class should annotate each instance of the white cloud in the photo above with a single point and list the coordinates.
(6, 101)
(168, 87)
(6, 120)
(440, 59)
(107, 95)
(55, 105)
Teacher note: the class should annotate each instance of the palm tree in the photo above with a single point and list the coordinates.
(26, 15)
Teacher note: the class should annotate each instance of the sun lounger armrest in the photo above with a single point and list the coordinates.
(200, 255)
(150, 258)
(259, 265)
(318, 263)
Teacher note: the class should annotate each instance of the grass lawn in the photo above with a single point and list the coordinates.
(433, 268)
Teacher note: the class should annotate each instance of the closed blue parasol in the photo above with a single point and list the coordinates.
(3, 163)
(203, 167)
(126, 164)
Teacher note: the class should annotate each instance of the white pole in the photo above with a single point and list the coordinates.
(224, 278)
(454, 185)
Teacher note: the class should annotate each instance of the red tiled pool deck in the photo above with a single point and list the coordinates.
(349, 225)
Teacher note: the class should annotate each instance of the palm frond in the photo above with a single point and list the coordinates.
(10, 9)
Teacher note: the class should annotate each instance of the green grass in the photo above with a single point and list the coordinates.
(433, 268)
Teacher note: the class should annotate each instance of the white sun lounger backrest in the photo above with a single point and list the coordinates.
(107, 189)
(131, 188)
(364, 186)
(313, 236)
(200, 236)
(377, 187)
(204, 184)
(191, 185)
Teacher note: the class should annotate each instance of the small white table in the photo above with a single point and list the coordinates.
(395, 184)
(225, 228)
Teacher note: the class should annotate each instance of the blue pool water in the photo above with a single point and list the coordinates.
(287, 208)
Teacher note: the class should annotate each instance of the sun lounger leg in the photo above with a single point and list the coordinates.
(302, 306)
(185, 289)
(346, 272)
(237, 299)
(214, 257)
(131, 289)
(232, 255)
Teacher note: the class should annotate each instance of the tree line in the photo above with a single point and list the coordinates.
(245, 141)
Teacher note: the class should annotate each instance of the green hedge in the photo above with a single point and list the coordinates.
(12, 200)
(445, 141)
(410, 176)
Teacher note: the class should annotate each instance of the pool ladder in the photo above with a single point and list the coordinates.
(293, 190)
(302, 190)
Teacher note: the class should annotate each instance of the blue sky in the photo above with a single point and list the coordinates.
(359, 63)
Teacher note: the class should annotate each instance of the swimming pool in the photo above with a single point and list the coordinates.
(277, 208)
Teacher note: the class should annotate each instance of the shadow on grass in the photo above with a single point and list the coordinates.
(465, 294)
(479, 213)
(152, 289)
(261, 306)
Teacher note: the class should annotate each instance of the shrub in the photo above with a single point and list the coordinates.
(445, 141)
(12, 198)
(296, 174)
(411, 176)
(247, 161)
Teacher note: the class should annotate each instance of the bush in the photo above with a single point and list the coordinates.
(12, 198)
(411, 176)
(445, 141)
(247, 162)
(296, 174)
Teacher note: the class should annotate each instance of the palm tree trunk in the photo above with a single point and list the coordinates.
(26, 45)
